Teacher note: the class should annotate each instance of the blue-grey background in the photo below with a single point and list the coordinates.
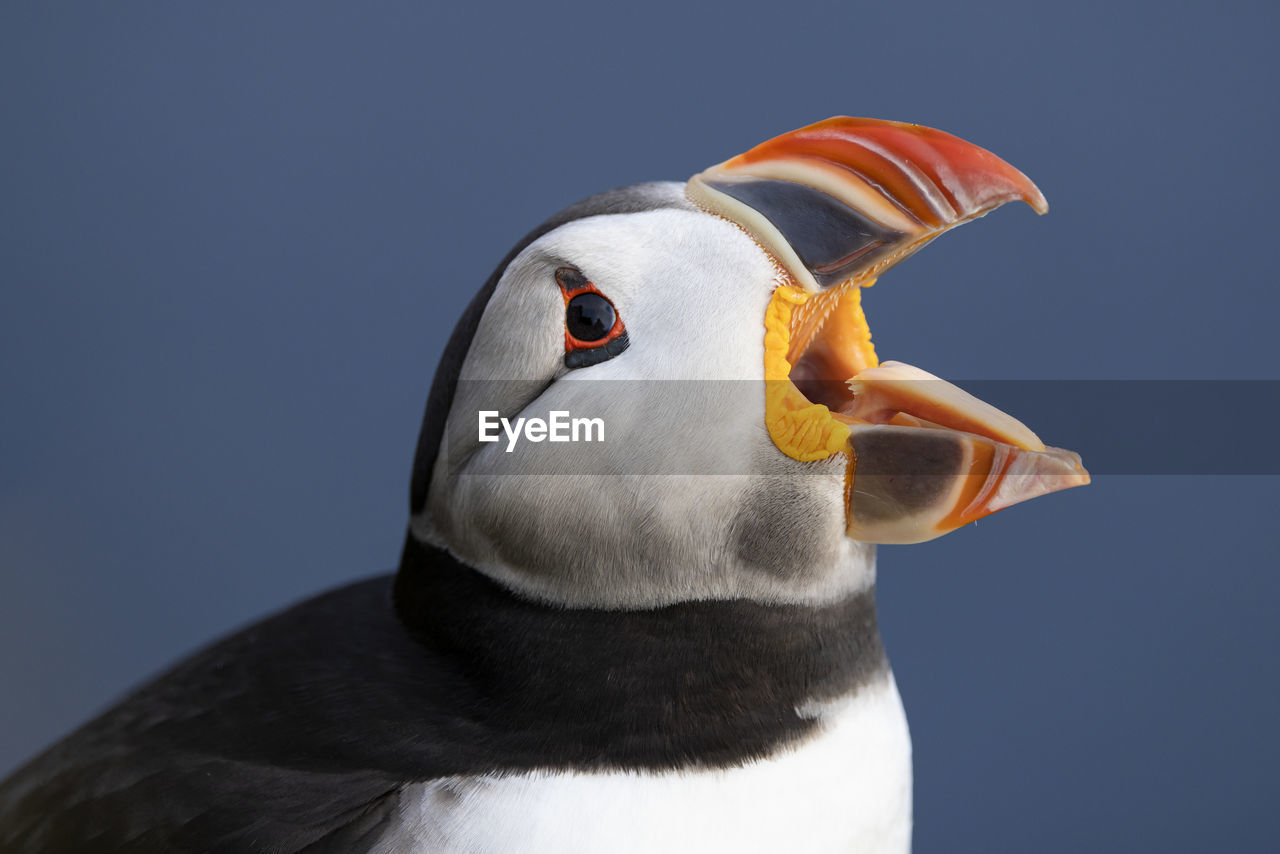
(233, 238)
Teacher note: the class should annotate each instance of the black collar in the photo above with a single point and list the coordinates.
(708, 683)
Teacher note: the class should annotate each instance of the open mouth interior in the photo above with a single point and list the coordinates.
(814, 343)
(830, 342)
(823, 379)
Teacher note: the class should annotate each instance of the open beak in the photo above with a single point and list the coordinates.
(835, 204)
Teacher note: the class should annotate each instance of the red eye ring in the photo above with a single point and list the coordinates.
(580, 351)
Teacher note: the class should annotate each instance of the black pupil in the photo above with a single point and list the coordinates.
(589, 317)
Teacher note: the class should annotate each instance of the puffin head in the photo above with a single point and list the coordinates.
(704, 416)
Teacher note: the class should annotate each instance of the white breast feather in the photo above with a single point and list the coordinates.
(845, 789)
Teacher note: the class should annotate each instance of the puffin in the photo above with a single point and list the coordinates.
(635, 606)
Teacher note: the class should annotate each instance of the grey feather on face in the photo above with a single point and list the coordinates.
(687, 498)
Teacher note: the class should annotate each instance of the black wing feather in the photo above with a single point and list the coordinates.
(241, 748)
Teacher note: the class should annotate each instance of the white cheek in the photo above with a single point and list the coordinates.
(710, 323)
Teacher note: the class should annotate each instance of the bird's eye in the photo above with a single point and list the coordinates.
(593, 331)
(589, 316)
